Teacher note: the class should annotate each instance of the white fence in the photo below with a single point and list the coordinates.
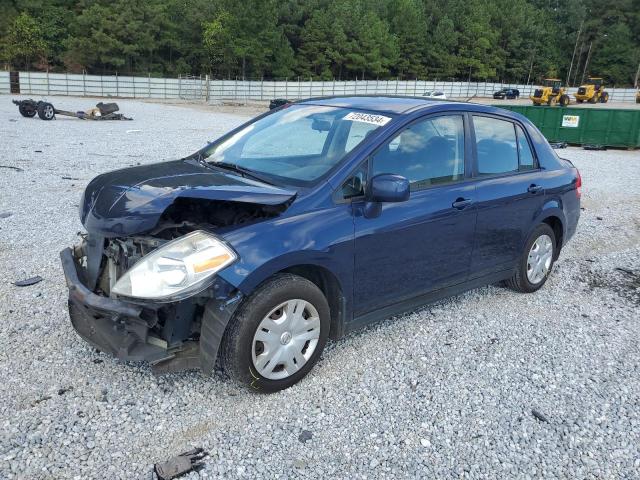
(203, 89)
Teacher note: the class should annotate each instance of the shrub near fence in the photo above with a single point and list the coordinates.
(202, 89)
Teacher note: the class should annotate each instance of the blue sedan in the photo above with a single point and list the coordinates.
(308, 222)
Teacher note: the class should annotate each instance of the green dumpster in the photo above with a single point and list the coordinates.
(607, 127)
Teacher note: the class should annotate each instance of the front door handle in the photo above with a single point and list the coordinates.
(461, 203)
(533, 188)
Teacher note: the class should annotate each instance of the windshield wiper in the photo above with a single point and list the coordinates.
(245, 172)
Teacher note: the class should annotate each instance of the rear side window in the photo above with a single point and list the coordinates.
(524, 150)
(495, 145)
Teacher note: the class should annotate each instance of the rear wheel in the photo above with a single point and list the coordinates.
(277, 335)
(604, 98)
(564, 100)
(536, 261)
(46, 111)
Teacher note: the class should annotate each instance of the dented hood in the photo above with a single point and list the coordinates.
(132, 200)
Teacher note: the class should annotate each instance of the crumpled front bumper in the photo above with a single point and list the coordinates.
(112, 326)
(131, 331)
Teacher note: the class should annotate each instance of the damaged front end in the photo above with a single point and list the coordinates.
(168, 335)
(143, 283)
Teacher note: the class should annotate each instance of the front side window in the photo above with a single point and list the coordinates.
(429, 152)
(296, 145)
(495, 145)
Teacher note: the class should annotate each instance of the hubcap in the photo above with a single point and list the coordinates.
(285, 339)
(539, 260)
(48, 111)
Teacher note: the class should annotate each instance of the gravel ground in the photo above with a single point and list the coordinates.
(446, 392)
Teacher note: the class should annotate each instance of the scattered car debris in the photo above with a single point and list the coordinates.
(69, 178)
(5, 214)
(305, 436)
(17, 169)
(28, 281)
(598, 218)
(539, 416)
(46, 111)
(277, 102)
(558, 145)
(627, 271)
(40, 400)
(593, 147)
(179, 465)
(64, 390)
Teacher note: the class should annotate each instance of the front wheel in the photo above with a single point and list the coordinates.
(277, 335)
(46, 111)
(536, 261)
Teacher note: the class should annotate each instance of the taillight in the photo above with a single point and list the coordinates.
(578, 185)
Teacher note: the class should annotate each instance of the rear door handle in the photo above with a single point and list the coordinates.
(461, 203)
(533, 188)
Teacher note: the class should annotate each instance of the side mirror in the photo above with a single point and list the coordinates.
(388, 187)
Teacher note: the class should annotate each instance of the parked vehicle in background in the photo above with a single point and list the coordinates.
(592, 91)
(551, 93)
(277, 102)
(434, 94)
(309, 222)
(508, 93)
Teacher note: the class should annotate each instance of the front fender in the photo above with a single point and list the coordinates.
(322, 237)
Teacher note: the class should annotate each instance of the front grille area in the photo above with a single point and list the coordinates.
(582, 91)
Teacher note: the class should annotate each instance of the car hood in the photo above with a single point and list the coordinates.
(132, 200)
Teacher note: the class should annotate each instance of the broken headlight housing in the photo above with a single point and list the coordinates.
(177, 269)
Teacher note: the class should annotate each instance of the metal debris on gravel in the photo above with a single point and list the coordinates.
(443, 392)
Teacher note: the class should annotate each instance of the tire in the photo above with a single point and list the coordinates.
(26, 112)
(242, 343)
(552, 101)
(46, 111)
(593, 99)
(604, 98)
(564, 100)
(521, 280)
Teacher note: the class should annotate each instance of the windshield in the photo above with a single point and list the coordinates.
(296, 145)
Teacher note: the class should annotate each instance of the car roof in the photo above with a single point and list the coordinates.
(378, 103)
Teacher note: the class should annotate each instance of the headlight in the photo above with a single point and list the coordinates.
(179, 267)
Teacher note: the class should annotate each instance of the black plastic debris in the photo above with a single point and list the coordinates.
(28, 281)
(17, 169)
(594, 147)
(305, 436)
(558, 145)
(5, 214)
(179, 465)
(539, 416)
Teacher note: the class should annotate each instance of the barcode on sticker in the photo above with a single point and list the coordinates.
(379, 120)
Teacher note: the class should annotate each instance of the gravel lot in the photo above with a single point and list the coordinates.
(445, 392)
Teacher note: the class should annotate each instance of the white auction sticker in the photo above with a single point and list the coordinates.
(379, 120)
(570, 121)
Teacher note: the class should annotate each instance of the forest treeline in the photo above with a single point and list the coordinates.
(497, 40)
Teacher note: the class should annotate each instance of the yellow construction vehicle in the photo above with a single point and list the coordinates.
(592, 91)
(551, 93)
(638, 97)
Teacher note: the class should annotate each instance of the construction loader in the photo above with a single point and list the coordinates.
(592, 91)
(551, 93)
